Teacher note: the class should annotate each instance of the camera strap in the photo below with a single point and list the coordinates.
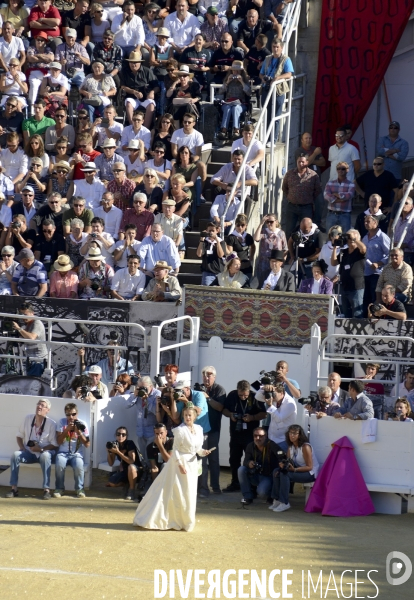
(38, 432)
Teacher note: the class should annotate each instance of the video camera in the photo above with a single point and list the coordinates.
(298, 237)
(312, 399)
(7, 328)
(267, 378)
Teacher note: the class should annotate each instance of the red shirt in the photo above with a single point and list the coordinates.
(143, 221)
(88, 157)
(52, 13)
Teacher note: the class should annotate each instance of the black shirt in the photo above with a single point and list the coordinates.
(45, 212)
(219, 58)
(242, 248)
(309, 245)
(247, 35)
(351, 270)
(254, 58)
(382, 222)
(382, 185)
(243, 407)
(211, 262)
(217, 393)
(198, 59)
(14, 123)
(395, 306)
(153, 452)
(127, 447)
(142, 80)
(243, 7)
(49, 250)
(28, 235)
(268, 457)
(78, 23)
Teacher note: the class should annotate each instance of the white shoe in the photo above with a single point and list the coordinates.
(274, 505)
(282, 507)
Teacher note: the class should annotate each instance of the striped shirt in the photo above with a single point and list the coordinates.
(346, 191)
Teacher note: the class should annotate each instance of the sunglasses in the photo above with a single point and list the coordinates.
(60, 116)
(378, 164)
(270, 221)
(149, 175)
(7, 255)
(118, 171)
(121, 434)
(188, 122)
(54, 201)
(341, 169)
(71, 414)
(158, 151)
(392, 127)
(27, 194)
(82, 119)
(98, 12)
(79, 205)
(60, 173)
(138, 202)
(137, 120)
(11, 105)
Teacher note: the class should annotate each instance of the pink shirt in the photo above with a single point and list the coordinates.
(63, 286)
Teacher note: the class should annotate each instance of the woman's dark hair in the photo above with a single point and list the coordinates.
(125, 379)
(168, 116)
(356, 385)
(321, 264)
(302, 439)
(63, 139)
(181, 149)
(160, 145)
(79, 381)
(122, 427)
(21, 4)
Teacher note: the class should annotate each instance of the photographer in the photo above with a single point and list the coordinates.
(283, 412)
(401, 412)
(126, 452)
(37, 443)
(145, 401)
(351, 261)
(391, 307)
(107, 364)
(71, 435)
(32, 329)
(260, 460)
(95, 373)
(291, 385)
(18, 235)
(244, 413)
(211, 249)
(302, 467)
(325, 406)
(306, 243)
(81, 386)
(160, 450)
(121, 387)
(358, 407)
(166, 408)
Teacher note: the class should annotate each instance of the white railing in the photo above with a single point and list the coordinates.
(397, 216)
(156, 347)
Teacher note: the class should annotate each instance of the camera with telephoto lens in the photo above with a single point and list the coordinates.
(200, 387)
(284, 460)
(312, 399)
(341, 240)
(7, 328)
(166, 397)
(376, 307)
(297, 237)
(95, 286)
(257, 468)
(239, 421)
(142, 392)
(85, 390)
(111, 445)
(79, 425)
(179, 394)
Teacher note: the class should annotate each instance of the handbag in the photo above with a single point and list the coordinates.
(93, 101)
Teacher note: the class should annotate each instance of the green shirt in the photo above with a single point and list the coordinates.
(69, 215)
(33, 126)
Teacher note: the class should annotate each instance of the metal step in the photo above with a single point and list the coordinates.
(221, 155)
(189, 278)
(190, 266)
(213, 167)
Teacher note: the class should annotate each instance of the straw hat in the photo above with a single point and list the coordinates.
(184, 70)
(63, 263)
(135, 57)
(163, 31)
(94, 254)
(161, 264)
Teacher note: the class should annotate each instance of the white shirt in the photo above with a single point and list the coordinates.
(42, 438)
(316, 286)
(112, 219)
(281, 418)
(221, 5)
(14, 163)
(128, 285)
(347, 153)
(133, 168)
(92, 192)
(131, 34)
(219, 204)
(46, 162)
(272, 280)
(128, 134)
(133, 249)
(192, 140)
(12, 49)
(325, 254)
(254, 150)
(115, 128)
(182, 33)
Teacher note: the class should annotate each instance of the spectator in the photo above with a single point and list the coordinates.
(183, 27)
(326, 253)
(121, 386)
(128, 29)
(374, 208)
(231, 277)
(135, 160)
(339, 194)
(402, 410)
(136, 131)
(36, 148)
(242, 243)
(106, 50)
(63, 280)
(342, 151)
(256, 153)
(100, 29)
(276, 67)
(304, 469)
(219, 206)
(197, 58)
(406, 388)
(110, 214)
(318, 283)
(378, 181)
(162, 133)
(338, 394)
(244, 413)
(16, 12)
(121, 187)
(377, 246)
(58, 130)
(11, 120)
(398, 274)
(150, 188)
(126, 452)
(99, 238)
(32, 329)
(358, 406)
(351, 261)
(160, 164)
(260, 460)
(215, 24)
(106, 161)
(305, 247)
(394, 149)
(325, 406)
(13, 83)
(184, 87)
(33, 182)
(180, 194)
(95, 277)
(30, 277)
(226, 176)
(250, 28)
(316, 161)
(49, 246)
(278, 279)
(172, 224)
(156, 39)
(71, 435)
(83, 124)
(158, 247)
(160, 450)
(45, 17)
(270, 237)
(97, 89)
(74, 241)
(98, 388)
(26, 206)
(108, 364)
(223, 57)
(188, 136)
(78, 211)
(38, 123)
(41, 430)
(301, 187)
(128, 283)
(11, 47)
(111, 130)
(255, 58)
(59, 186)
(13, 159)
(235, 86)
(60, 169)
(7, 268)
(282, 410)
(140, 85)
(73, 57)
(391, 308)
(126, 247)
(79, 19)
(145, 401)
(138, 216)
(405, 227)
(91, 187)
(18, 235)
(54, 88)
(162, 287)
(211, 249)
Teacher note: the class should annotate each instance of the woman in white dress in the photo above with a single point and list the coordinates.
(171, 501)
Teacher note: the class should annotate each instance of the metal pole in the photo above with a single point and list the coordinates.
(399, 211)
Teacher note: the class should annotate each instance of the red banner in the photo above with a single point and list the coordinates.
(357, 41)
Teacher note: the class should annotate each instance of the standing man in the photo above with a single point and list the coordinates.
(128, 29)
(160, 450)
(146, 402)
(405, 226)
(306, 244)
(37, 444)
(226, 176)
(339, 193)
(394, 149)
(377, 255)
(316, 161)
(291, 385)
(283, 412)
(342, 151)
(378, 181)
(244, 413)
(32, 329)
(301, 187)
(374, 208)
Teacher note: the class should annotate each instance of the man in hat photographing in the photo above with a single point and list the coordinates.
(163, 287)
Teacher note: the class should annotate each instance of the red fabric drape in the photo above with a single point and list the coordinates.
(357, 41)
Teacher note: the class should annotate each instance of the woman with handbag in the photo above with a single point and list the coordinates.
(236, 91)
(97, 90)
(185, 94)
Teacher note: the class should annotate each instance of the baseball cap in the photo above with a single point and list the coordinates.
(95, 370)
(212, 10)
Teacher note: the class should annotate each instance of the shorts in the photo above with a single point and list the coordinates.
(137, 103)
(120, 476)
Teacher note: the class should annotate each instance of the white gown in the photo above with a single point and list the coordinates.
(170, 502)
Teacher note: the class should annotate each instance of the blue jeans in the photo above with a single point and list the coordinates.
(94, 109)
(73, 460)
(281, 483)
(35, 369)
(234, 111)
(247, 479)
(278, 111)
(401, 297)
(24, 456)
(77, 79)
(353, 304)
(294, 213)
(333, 218)
(207, 278)
(320, 205)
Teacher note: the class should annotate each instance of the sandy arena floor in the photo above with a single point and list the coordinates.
(67, 548)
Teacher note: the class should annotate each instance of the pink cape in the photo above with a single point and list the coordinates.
(340, 489)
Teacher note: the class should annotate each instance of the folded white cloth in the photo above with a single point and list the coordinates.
(369, 431)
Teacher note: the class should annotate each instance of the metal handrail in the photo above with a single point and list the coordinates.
(398, 214)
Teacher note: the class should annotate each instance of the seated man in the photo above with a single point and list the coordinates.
(139, 85)
(260, 460)
(126, 452)
(278, 279)
(226, 176)
(121, 187)
(163, 287)
(159, 451)
(358, 407)
(218, 207)
(126, 247)
(19, 235)
(30, 277)
(50, 245)
(78, 211)
(73, 57)
(37, 444)
(172, 224)
(156, 248)
(398, 274)
(183, 27)
(90, 187)
(325, 406)
(390, 308)
(129, 283)
(71, 435)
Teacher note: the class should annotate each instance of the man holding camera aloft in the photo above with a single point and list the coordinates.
(305, 244)
(145, 402)
(32, 329)
(351, 261)
(72, 434)
(244, 413)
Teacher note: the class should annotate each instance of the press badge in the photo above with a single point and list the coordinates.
(244, 425)
(347, 267)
